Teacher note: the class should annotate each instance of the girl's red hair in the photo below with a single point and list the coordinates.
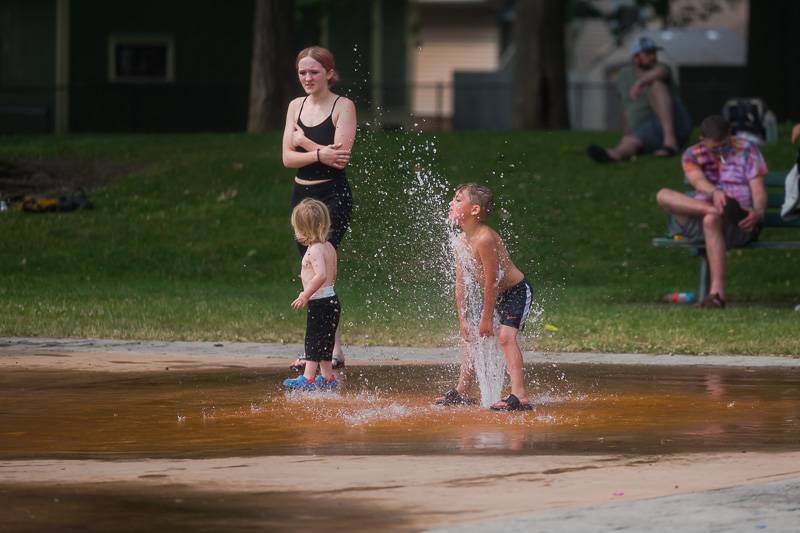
(321, 55)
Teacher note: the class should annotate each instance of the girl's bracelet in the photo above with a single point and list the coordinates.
(318, 161)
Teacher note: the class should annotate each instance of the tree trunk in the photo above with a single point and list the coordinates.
(540, 83)
(773, 56)
(272, 73)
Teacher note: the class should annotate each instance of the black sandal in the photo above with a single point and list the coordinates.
(452, 397)
(713, 301)
(599, 154)
(300, 366)
(511, 403)
(666, 151)
(338, 364)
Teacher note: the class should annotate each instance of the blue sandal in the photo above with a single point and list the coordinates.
(299, 383)
(326, 384)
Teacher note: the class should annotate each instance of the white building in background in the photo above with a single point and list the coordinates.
(449, 36)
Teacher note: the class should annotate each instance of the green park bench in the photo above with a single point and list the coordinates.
(774, 182)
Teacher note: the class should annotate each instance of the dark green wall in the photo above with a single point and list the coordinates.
(27, 65)
(213, 43)
(350, 41)
(394, 54)
(212, 66)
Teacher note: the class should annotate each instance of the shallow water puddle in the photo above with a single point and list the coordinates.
(388, 410)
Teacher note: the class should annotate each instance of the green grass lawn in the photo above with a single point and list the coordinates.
(197, 246)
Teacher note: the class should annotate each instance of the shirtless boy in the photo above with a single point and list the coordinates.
(506, 292)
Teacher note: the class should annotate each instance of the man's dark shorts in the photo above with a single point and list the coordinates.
(692, 232)
(651, 135)
(514, 304)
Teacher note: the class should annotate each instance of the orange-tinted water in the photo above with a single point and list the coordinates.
(387, 409)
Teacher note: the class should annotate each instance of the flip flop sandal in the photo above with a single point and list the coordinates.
(511, 403)
(452, 397)
(300, 366)
(713, 301)
(338, 364)
(599, 154)
(666, 151)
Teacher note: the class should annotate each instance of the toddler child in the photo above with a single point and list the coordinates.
(311, 222)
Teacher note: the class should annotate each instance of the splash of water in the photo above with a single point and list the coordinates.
(482, 352)
(490, 369)
(401, 203)
(392, 411)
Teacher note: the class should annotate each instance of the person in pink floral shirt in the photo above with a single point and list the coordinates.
(727, 207)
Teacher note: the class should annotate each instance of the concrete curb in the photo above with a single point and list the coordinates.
(375, 353)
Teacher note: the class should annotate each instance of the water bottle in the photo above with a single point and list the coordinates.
(679, 298)
(771, 127)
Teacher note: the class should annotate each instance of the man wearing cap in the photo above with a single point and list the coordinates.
(655, 120)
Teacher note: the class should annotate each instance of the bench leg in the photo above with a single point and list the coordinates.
(705, 276)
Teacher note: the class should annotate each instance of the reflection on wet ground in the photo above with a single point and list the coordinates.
(131, 507)
(387, 410)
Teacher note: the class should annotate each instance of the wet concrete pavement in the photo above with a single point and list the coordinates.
(611, 418)
(401, 492)
(769, 507)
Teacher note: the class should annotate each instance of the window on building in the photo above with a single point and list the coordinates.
(141, 58)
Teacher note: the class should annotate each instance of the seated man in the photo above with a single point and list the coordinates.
(654, 119)
(727, 174)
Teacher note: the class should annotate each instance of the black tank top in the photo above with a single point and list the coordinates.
(323, 134)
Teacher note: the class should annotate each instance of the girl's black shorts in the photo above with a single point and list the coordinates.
(322, 319)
